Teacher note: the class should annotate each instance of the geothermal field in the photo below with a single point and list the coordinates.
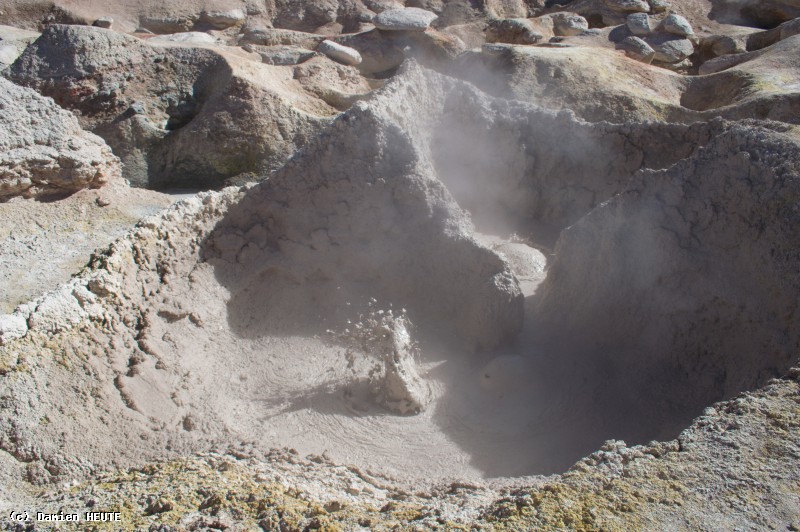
(382, 265)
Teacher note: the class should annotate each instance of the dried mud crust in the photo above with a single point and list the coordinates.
(749, 441)
(203, 327)
(42, 244)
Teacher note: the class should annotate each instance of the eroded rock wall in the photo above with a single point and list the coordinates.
(43, 149)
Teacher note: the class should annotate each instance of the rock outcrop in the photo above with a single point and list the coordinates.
(176, 116)
(43, 149)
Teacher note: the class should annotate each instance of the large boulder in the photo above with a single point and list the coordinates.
(220, 19)
(677, 25)
(43, 149)
(407, 19)
(175, 114)
(569, 24)
(670, 49)
(636, 48)
(383, 51)
(512, 30)
(337, 52)
(639, 24)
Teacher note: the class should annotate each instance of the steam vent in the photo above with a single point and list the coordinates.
(356, 265)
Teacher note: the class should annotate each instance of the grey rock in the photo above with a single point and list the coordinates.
(281, 37)
(569, 24)
(223, 19)
(723, 62)
(636, 48)
(167, 24)
(677, 25)
(659, 6)
(382, 51)
(627, 6)
(281, 55)
(407, 19)
(104, 22)
(639, 24)
(43, 149)
(512, 31)
(337, 52)
(186, 137)
(789, 29)
(672, 50)
(303, 15)
(725, 45)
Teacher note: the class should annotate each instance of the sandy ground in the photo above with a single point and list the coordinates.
(44, 243)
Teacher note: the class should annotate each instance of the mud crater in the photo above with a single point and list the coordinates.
(534, 286)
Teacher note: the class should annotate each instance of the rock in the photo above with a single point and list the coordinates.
(281, 55)
(380, 51)
(12, 326)
(789, 29)
(189, 37)
(681, 67)
(723, 62)
(639, 24)
(407, 19)
(180, 136)
(223, 19)
(636, 48)
(659, 6)
(769, 13)
(725, 45)
(338, 85)
(337, 52)
(43, 149)
(672, 50)
(281, 37)
(104, 22)
(627, 6)
(512, 31)
(677, 25)
(383, 51)
(167, 24)
(569, 24)
(308, 16)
